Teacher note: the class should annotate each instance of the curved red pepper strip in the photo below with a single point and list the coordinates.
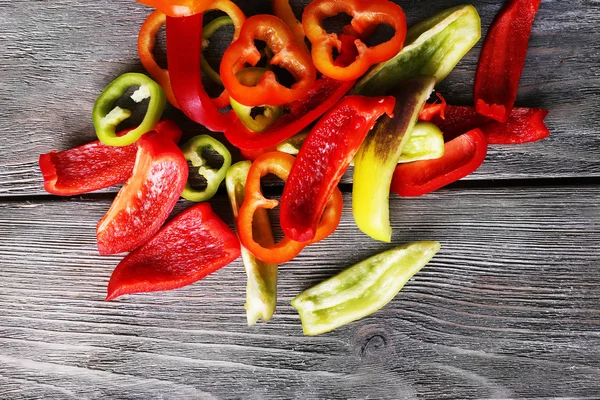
(188, 248)
(287, 54)
(145, 201)
(524, 124)
(184, 49)
(94, 166)
(502, 59)
(286, 249)
(462, 156)
(322, 96)
(323, 159)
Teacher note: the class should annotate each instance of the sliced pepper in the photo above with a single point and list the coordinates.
(94, 165)
(146, 44)
(286, 249)
(523, 126)
(433, 47)
(283, 11)
(292, 145)
(106, 118)
(361, 289)
(287, 54)
(207, 32)
(378, 156)
(193, 152)
(502, 59)
(365, 15)
(323, 159)
(261, 289)
(301, 113)
(425, 142)
(179, 8)
(188, 248)
(145, 201)
(462, 156)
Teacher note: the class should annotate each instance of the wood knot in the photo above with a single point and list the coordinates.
(373, 341)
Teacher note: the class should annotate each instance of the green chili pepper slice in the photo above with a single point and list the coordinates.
(261, 289)
(362, 288)
(269, 115)
(293, 144)
(433, 47)
(106, 117)
(426, 142)
(207, 32)
(192, 152)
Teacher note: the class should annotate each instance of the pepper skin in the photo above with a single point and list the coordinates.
(179, 8)
(261, 289)
(425, 142)
(145, 201)
(287, 54)
(323, 159)
(361, 289)
(193, 245)
(502, 59)
(283, 11)
(462, 156)
(378, 157)
(365, 15)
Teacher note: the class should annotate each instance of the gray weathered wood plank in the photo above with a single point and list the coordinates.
(509, 308)
(56, 57)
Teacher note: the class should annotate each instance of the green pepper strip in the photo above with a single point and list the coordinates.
(433, 47)
(362, 288)
(270, 115)
(207, 32)
(106, 117)
(192, 152)
(293, 144)
(426, 142)
(261, 289)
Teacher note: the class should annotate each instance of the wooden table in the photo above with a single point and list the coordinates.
(509, 308)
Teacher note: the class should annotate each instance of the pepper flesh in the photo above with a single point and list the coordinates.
(193, 152)
(425, 142)
(433, 47)
(286, 249)
(106, 118)
(361, 289)
(149, 195)
(462, 156)
(323, 159)
(365, 15)
(523, 126)
(378, 157)
(179, 8)
(188, 248)
(94, 166)
(261, 289)
(287, 54)
(502, 59)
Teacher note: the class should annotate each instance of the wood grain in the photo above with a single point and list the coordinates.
(56, 56)
(509, 308)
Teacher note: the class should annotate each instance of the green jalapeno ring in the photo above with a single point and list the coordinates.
(106, 117)
(192, 151)
(270, 115)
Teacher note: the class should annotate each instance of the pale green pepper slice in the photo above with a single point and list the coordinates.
(426, 142)
(293, 144)
(261, 289)
(361, 289)
(193, 152)
(207, 32)
(433, 47)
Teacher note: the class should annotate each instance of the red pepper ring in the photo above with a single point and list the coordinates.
(286, 249)
(287, 54)
(365, 15)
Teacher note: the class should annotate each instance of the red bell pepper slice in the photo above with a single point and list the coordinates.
(145, 201)
(286, 249)
(94, 166)
(524, 124)
(184, 50)
(365, 15)
(179, 8)
(323, 159)
(322, 96)
(287, 54)
(502, 59)
(193, 245)
(462, 156)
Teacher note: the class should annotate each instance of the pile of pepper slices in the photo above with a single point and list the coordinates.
(347, 102)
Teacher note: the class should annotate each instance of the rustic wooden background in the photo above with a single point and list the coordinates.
(509, 308)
